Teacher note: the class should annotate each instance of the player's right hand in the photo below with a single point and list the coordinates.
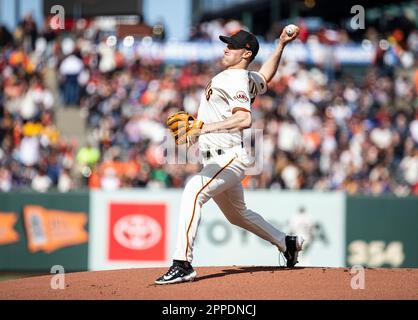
(286, 37)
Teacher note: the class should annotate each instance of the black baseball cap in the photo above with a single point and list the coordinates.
(242, 40)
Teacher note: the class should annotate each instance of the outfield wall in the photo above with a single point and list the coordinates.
(382, 231)
(38, 231)
(137, 228)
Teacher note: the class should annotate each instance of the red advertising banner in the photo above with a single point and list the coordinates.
(137, 231)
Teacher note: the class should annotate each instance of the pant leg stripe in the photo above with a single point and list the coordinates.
(195, 201)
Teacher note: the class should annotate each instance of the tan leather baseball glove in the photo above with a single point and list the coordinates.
(184, 126)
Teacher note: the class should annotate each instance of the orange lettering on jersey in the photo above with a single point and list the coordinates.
(241, 96)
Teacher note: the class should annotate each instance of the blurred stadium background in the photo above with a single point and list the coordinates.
(82, 121)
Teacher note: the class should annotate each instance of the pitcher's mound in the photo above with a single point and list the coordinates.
(223, 283)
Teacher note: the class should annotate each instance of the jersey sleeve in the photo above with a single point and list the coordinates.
(238, 93)
(257, 84)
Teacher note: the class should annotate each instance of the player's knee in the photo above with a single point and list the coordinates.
(235, 222)
(195, 191)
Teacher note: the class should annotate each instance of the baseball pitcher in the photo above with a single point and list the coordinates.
(224, 111)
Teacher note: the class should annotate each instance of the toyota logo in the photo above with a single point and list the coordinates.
(137, 232)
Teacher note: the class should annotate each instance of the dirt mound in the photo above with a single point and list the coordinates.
(221, 283)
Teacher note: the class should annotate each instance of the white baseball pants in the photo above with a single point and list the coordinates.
(220, 179)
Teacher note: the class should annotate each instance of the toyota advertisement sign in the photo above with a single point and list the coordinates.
(138, 229)
(136, 232)
(130, 229)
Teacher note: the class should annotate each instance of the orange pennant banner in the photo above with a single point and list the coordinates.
(50, 230)
(7, 233)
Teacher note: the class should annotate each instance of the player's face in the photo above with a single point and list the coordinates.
(232, 56)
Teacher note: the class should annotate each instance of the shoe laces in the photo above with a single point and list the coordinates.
(172, 270)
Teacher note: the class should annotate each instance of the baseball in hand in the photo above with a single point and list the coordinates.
(290, 29)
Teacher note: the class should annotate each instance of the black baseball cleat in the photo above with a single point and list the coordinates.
(178, 272)
(293, 246)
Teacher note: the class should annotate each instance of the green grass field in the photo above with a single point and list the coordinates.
(16, 275)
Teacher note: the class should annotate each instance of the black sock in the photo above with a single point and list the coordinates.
(182, 263)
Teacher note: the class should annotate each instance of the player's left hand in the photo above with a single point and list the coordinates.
(184, 127)
(289, 33)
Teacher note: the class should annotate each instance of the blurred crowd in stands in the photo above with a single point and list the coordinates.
(320, 132)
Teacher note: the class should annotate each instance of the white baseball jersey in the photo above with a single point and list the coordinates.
(229, 91)
(220, 178)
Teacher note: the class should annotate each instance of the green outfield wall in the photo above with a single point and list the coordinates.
(382, 231)
(56, 238)
(100, 230)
